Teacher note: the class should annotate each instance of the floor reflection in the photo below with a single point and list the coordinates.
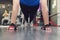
(30, 35)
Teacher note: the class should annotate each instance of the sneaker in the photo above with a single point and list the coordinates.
(12, 27)
(45, 27)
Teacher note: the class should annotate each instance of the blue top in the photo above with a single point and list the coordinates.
(30, 2)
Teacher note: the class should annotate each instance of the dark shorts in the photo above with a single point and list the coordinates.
(29, 11)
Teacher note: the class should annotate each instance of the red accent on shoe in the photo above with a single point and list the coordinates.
(11, 27)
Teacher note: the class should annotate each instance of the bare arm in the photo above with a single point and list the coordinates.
(44, 5)
(14, 11)
(15, 6)
(45, 11)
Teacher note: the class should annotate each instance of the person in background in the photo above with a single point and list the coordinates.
(6, 18)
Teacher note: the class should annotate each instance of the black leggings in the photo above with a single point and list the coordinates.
(29, 11)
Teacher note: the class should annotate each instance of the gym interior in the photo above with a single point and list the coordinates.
(35, 33)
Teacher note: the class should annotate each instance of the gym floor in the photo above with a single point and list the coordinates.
(36, 34)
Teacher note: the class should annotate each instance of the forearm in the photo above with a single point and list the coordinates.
(44, 6)
(14, 11)
(45, 11)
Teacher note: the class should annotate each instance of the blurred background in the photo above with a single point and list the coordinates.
(6, 10)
